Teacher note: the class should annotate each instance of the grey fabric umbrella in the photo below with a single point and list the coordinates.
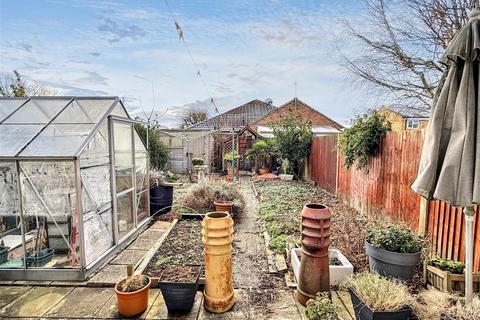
(450, 164)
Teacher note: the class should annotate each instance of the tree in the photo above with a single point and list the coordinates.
(293, 138)
(193, 115)
(401, 43)
(159, 153)
(13, 85)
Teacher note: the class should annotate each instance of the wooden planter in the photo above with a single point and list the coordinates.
(449, 282)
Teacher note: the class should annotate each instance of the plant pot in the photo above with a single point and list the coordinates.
(4, 255)
(179, 296)
(337, 273)
(41, 259)
(392, 264)
(263, 171)
(363, 311)
(286, 177)
(133, 303)
(224, 206)
(161, 199)
(447, 281)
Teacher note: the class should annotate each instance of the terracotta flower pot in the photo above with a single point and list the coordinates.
(263, 171)
(132, 303)
(224, 206)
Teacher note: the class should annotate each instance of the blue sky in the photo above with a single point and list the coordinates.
(245, 50)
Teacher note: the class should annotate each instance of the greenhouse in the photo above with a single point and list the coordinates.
(73, 185)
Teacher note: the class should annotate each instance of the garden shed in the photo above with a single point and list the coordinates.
(73, 185)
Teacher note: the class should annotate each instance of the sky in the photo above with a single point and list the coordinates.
(244, 50)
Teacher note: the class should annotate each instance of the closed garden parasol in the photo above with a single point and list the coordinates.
(450, 164)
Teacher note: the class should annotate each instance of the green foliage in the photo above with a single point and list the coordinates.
(159, 153)
(293, 139)
(321, 308)
(278, 244)
(133, 283)
(361, 140)
(262, 151)
(394, 238)
(276, 228)
(229, 156)
(447, 265)
(198, 161)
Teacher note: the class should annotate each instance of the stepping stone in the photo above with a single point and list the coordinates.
(36, 302)
(240, 310)
(108, 276)
(81, 303)
(110, 309)
(146, 240)
(159, 309)
(129, 257)
(8, 294)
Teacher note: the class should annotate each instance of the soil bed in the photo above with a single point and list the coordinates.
(183, 274)
(183, 246)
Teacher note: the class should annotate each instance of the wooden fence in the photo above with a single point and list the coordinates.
(386, 188)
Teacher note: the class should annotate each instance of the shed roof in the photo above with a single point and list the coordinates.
(43, 127)
(236, 118)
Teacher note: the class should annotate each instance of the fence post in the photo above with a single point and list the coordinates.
(423, 217)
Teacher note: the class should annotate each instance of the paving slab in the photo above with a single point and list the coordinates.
(8, 294)
(108, 276)
(160, 225)
(159, 309)
(284, 306)
(129, 257)
(110, 309)
(82, 302)
(35, 303)
(240, 310)
(147, 239)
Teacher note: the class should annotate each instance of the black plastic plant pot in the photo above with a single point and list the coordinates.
(44, 257)
(363, 311)
(4, 254)
(179, 296)
(161, 199)
(392, 264)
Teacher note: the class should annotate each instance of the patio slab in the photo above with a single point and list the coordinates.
(35, 303)
(110, 309)
(146, 240)
(129, 257)
(160, 225)
(8, 294)
(81, 303)
(108, 276)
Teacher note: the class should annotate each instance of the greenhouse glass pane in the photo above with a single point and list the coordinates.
(7, 106)
(98, 234)
(125, 213)
(119, 111)
(84, 111)
(14, 137)
(123, 155)
(38, 111)
(140, 164)
(142, 206)
(50, 213)
(97, 151)
(58, 140)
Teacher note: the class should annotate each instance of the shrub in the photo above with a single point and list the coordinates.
(198, 161)
(262, 151)
(201, 196)
(133, 283)
(462, 311)
(278, 244)
(447, 265)
(379, 293)
(394, 238)
(159, 152)
(361, 140)
(321, 308)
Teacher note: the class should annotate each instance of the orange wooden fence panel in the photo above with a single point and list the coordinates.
(323, 162)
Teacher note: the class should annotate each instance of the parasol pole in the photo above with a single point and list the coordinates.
(469, 218)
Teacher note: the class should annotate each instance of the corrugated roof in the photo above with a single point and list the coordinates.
(236, 118)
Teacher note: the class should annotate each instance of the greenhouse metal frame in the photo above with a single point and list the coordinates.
(73, 185)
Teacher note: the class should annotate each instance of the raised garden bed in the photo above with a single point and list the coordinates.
(182, 246)
(447, 281)
(339, 267)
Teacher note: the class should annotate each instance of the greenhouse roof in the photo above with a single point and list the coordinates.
(52, 127)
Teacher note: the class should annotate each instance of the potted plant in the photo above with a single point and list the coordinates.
(286, 168)
(393, 251)
(262, 152)
(40, 255)
(223, 205)
(376, 297)
(3, 252)
(321, 308)
(132, 295)
(448, 276)
(179, 286)
(198, 161)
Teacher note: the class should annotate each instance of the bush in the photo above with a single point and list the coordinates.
(278, 244)
(159, 152)
(447, 265)
(197, 161)
(321, 308)
(361, 140)
(201, 196)
(394, 238)
(379, 293)
(262, 151)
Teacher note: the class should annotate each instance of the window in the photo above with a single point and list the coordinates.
(413, 123)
